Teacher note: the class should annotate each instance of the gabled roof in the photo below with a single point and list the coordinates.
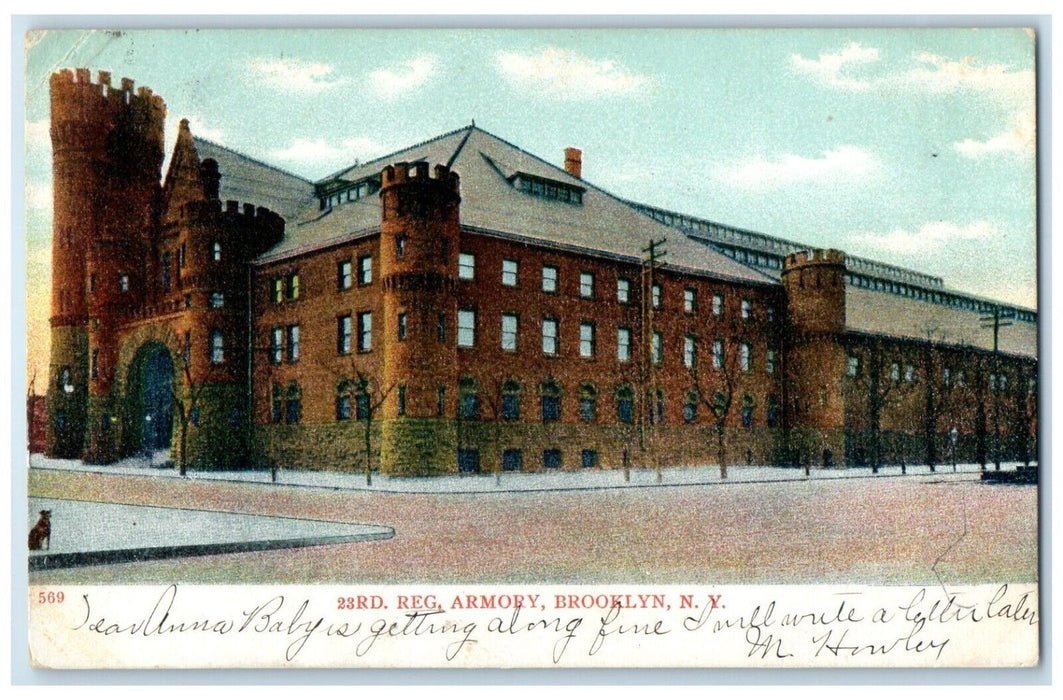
(244, 179)
(491, 202)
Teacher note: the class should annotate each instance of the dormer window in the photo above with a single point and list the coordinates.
(548, 189)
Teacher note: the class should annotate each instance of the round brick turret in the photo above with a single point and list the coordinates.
(419, 243)
(814, 281)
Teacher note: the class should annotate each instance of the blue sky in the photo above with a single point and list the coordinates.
(915, 147)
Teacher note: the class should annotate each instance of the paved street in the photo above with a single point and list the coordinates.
(875, 530)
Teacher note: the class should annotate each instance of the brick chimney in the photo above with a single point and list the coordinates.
(574, 162)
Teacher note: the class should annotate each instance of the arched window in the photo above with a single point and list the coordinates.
(747, 411)
(276, 403)
(468, 399)
(66, 381)
(511, 400)
(588, 403)
(625, 403)
(294, 407)
(550, 394)
(343, 399)
(690, 407)
(656, 411)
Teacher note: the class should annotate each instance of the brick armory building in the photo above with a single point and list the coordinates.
(462, 304)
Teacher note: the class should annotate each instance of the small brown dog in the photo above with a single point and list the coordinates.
(41, 534)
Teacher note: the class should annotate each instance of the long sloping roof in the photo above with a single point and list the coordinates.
(881, 313)
(245, 179)
(490, 202)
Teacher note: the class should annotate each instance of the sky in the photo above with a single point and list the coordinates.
(910, 146)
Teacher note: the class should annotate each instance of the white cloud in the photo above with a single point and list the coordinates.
(929, 73)
(930, 237)
(295, 75)
(407, 76)
(843, 163)
(38, 196)
(1020, 139)
(564, 74)
(829, 67)
(320, 153)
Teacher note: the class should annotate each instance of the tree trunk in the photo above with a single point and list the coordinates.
(721, 450)
(368, 451)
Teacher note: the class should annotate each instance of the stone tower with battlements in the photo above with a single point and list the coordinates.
(814, 286)
(419, 239)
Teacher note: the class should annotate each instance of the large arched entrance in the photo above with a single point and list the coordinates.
(150, 403)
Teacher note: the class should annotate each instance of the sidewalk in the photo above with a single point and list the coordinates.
(561, 480)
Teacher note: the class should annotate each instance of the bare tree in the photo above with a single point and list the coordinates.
(185, 408)
(880, 381)
(935, 400)
(367, 401)
(718, 394)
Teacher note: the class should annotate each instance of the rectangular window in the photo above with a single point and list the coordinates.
(123, 283)
(511, 406)
(623, 344)
(95, 371)
(551, 408)
(343, 335)
(658, 347)
(656, 296)
(400, 247)
(365, 270)
(466, 266)
(717, 354)
(895, 372)
(587, 409)
(294, 409)
(344, 274)
(770, 309)
(853, 369)
(402, 399)
(441, 328)
(747, 309)
(589, 459)
(469, 406)
(293, 286)
(441, 400)
(745, 357)
(468, 461)
(343, 406)
(466, 328)
(690, 300)
(717, 304)
(402, 326)
(623, 290)
(586, 285)
(293, 343)
(549, 278)
(586, 340)
(365, 331)
(551, 459)
(690, 352)
(946, 377)
(909, 373)
(166, 272)
(92, 283)
(217, 300)
(216, 251)
(276, 342)
(217, 347)
(511, 460)
(509, 273)
(769, 364)
(509, 331)
(549, 336)
(361, 406)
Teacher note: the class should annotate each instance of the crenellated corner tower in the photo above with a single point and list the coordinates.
(419, 235)
(150, 283)
(814, 287)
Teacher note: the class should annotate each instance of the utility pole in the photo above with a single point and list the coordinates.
(654, 253)
(996, 321)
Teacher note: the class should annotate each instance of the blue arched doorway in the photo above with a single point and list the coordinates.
(150, 407)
